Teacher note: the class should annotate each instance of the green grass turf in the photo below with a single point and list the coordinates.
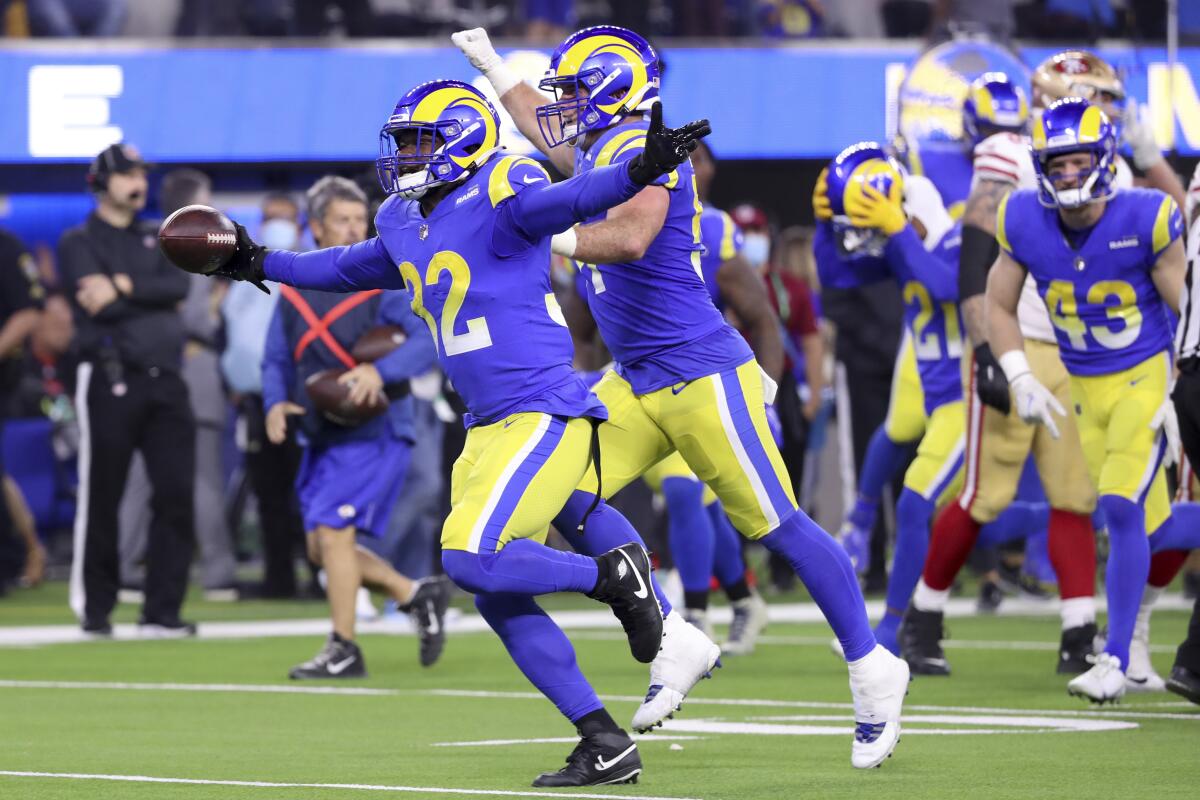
(388, 740)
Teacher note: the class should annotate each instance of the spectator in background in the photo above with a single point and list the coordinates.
(129, 397)
(548, 21)
(75, 18)
(700, 17)
(351, 473)
(21, 297)
(201, 373)
(790, 19)
(271, 467)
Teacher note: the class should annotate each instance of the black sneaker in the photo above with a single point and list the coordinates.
(428, 612)
(97, 629)
(1184, 683)
(921, 636)
(599, 759)
(1076, 647)
(165, 628)
(337, 659)
(625, 586)
(990, 598)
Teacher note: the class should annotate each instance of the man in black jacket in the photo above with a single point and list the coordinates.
(129, 396)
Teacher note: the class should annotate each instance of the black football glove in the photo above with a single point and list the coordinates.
(246, 263)
(666, 148)
(990, 381)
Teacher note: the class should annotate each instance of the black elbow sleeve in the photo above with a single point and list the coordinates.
(979, 252)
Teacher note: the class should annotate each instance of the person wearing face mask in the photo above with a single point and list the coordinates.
(281, 222)
(129, 397)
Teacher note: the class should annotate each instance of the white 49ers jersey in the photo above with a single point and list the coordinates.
(1005, 158)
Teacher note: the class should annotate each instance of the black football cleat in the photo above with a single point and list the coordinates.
(921, 636)
(990, 598)
(625, 586)
(1075, 648)
(337, 659)
(428, 611)
(1184, 683)
(97, 629)
(599, 759)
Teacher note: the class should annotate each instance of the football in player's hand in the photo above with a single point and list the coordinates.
(198, 239)
(332, 399)
(378, 342)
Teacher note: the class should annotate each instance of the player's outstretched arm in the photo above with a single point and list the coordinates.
(747, 296)
(545, 209)
(519, 99)
(366, 265)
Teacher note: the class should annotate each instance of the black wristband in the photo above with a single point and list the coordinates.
(978, 253)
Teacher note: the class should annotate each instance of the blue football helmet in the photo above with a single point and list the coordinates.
(454, 128)
(599, 75)
(858, 164)
(994, 104)
(1073, 125)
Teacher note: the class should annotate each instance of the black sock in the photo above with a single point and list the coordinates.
(738, 591)
(697, 601)
(603, 570)
(598, 721)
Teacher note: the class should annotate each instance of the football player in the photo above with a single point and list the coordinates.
(469, 230)
(899, 229)
(1104, 262)
(686, 380)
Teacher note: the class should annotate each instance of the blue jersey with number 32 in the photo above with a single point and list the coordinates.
(500, 334)
(1107, 313)
(655, 314)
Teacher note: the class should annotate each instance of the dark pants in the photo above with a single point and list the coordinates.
(272, 471)
(154, 417)
(1187, 407)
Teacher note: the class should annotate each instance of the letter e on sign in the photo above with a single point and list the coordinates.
(69, 109)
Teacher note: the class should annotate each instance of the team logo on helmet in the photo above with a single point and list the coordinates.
(598, 75)
(858, 166)
(994, 104)
(439, 132)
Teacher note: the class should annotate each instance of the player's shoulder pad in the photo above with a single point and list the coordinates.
(1010, 215)
(1158, 212)
(1002, 157)
(391, 212)
(728, 236)
(511, 174)
(622, 142)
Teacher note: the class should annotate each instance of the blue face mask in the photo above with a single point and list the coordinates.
(756, 248)
(279, 234)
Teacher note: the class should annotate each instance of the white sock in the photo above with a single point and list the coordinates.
(1141, 627)
(1078, 611)
(926, 599)
(863, 665)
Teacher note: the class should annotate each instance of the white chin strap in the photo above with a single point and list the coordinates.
(413, 185)
(1074, 198)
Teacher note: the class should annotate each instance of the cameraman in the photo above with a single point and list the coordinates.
(129, 396)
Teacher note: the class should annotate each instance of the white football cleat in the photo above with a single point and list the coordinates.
(1141, 677)
(749, 620)
(1103, 683)
(878, 683)
(699, 618)
(687, 655)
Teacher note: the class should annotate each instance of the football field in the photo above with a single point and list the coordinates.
(215, 718)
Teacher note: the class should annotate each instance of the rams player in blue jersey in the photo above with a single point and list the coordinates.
(685, 379)
(466, 231)
(1107, 264)
(905, 233)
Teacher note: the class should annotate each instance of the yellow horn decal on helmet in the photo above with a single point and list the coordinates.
(1089, 125)
(431, 108)
(1038, 134)
(984, 106)
(581, 51)
(1024, 108)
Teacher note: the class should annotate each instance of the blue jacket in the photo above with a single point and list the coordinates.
(284, 375)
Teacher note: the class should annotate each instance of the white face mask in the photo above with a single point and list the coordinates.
(279, 234)
(756, 247)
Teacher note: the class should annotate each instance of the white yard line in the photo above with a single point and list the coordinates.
(483, 694)
(361, 787)
(599, 619)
